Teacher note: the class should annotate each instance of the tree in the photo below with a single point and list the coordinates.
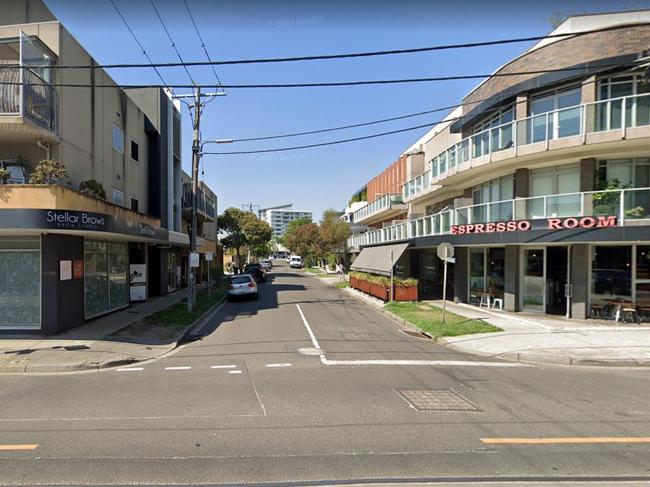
(291, 228)
(49, 172)
(231, 224)
(92, 188)
(258, 235)
(334, 234)
(306, 241)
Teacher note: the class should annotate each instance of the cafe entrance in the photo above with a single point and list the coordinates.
(545, 274)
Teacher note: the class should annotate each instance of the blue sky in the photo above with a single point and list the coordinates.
(320, 178)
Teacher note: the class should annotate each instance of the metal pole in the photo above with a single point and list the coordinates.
(196, 148)
(391, 275)
(444, 290)
(568, 281)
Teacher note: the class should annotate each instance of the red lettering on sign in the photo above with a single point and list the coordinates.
(570, 223)
(490, 227)
(478, 228)
(511, 226)
(606, 221)
(587, 222)
(454, 229)
(554, 223)
(523, 225)
(469, 228)
(501, 226)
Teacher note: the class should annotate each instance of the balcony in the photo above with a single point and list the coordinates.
(205, 207)
(28, 102)
(630, 206)
(382, 208)
(568, 129)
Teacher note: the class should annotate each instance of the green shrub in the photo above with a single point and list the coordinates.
(49, 172)
(92, 188)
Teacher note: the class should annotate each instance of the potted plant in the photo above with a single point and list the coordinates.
(92, 188)
(4, 175)
(49, 172)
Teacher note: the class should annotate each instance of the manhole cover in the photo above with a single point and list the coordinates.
(415, 334)
(437, 400)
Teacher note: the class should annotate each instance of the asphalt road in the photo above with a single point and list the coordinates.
(255, 402)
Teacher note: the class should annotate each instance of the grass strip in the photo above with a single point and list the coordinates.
(429, 319)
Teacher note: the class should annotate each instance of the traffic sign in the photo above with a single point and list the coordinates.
(445, 250)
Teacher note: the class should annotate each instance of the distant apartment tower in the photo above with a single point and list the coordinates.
(280, 216)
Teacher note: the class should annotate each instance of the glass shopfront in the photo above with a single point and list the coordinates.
(20, 282)
(106, 276)
(487, 275)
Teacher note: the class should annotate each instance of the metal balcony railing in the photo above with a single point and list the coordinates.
(625, 204)
(28, 96)
(383, 203)
(613, 114)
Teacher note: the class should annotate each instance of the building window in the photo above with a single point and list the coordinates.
(611, 272)
(135, 151)
(20, 282)
(554, 192)
(134, 204)
(118, 197)
(564, 121)
(105, 276)
(118, 139)
(610, 115)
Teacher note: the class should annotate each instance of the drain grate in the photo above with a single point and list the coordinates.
(415, 334)
(437, 400)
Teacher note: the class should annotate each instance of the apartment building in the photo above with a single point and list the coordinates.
(540, 181)
(67, 257)
(279, 217)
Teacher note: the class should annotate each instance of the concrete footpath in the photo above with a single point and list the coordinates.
(95, 345)
(545, 339)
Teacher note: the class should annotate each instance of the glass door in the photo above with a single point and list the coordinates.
(533, 294)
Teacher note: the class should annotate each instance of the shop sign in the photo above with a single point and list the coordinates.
(138, 273)
(75, 220)
(586, 222)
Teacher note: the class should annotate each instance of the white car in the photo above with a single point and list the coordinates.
(295, 261)
(242, 285)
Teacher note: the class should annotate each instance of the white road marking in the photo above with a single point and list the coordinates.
(234, 371)
(185, 367)
(130, 369)
(278, 365)
(442, 363)
(223, 366)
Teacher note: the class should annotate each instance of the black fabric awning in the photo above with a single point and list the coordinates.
(376, 260)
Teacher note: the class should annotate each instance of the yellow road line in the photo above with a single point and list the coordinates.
(555, 441)
(17, 447)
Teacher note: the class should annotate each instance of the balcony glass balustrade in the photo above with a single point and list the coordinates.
(625, 204)
(383, 203)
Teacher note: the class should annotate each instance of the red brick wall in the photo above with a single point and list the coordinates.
(390, 180)
(564, 53)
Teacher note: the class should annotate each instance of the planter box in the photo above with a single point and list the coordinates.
(379, 291)
(353, 282)
(405, 293)
(363, 286)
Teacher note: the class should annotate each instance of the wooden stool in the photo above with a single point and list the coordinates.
(629, 313)
(597, 311)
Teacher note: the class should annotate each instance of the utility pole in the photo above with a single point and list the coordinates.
(197, 147)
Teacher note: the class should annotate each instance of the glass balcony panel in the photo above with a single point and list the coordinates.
(462, 216)
(451, 157)
(428, 225)
(500, 212)
(436, 224)
(569, 122)
(605, 203)
(636, 204)
(481, 143)
(446, 222)
(479, 213)
(642, 111)
(535, 208)
(537, 128)
(563, 205)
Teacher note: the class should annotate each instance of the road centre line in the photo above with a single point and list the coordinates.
(564, 441)
(278, 365)
(223, 366)
(130, 369)
(18, 447)
(184, 367)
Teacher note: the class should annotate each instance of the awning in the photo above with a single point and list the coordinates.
(376, 260)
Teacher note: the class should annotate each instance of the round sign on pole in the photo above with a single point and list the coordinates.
(445, 250)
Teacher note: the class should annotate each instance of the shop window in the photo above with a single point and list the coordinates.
(105, 279)
(486, 273)
(20, 283)
(643, 274)
(476, 270)
(611, 272)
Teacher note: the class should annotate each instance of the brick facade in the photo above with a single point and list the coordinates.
(390, 180)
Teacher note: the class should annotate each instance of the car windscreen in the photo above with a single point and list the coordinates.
(240, 280)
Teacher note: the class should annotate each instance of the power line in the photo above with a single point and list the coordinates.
(355, 55)
(330, 84)
(198, 34)
(180, 58)
(151, 64)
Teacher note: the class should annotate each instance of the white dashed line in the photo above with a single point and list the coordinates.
(178, 368)
(278, 365)
(130, 369)
(223, 366)
(234, 371)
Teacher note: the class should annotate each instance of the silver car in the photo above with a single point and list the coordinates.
(242, 285)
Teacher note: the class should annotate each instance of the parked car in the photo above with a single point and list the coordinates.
(295, 261)
(266, 264)
(256, 271)
(243, 285)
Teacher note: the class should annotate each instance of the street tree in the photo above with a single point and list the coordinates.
(305, 240)
(258, 235)
(334, 234)
(231, 222)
